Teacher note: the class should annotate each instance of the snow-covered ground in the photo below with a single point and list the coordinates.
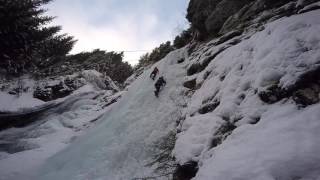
(23, 88)
(19, 101)
(225, 127)
(270, 141)
(125, 140)
(14, 103)
(23, 150)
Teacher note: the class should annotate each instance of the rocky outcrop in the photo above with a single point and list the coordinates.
(54, 91)
(186, 171)
(273, 68)
(222, 12)
(257, 12)
(304, 92)
(211, 18)
(208, 16)
(198, 12)
(51, 89)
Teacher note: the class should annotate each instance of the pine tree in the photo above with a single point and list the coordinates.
(109, 63)
(24, 38)
(183, 38)
(156, 54)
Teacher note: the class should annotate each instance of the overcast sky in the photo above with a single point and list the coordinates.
(120, 25)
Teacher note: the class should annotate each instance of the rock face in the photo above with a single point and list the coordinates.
(265, 86)
(198, 12)
(56, 90)
(51, 89)
(212, 18)
(222, 12)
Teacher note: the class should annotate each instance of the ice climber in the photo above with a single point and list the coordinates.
(158, 85)
(154, 73)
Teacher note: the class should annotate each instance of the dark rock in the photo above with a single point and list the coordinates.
(180, 60)
(274, 3)
(255, 120)
(208, 16)
(207, 60)
(191, 84)
(222, 12)
(191, 48)
(229, 36)
(71, 83)
(237, 21)
(60, 91)
(315, 7)
(222, 133)
(237, 118)
(307, 96)
(206, 75)
(234, 42)
(215, 141)
(51, 92)
(273, 94)
(13, 92)
(193, 69)
(303, 3)
(179, 120)
(209, 107)
(257, 12)
(240, 98)
(43, 94)
(111, 101)
(186, 171)
(304, 92)
(198, 67)
(307, 88)
(212, 18)
(197, 13)
(226, 128)
(222, 77)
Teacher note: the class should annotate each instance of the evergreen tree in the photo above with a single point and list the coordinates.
(156, 54)
(108, 63)
(24, 38)
(183, 38)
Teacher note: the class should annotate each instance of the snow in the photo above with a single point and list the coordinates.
(123, 142)
(14, 103)
(20, 101)
(54, 130)
(284, 143)
(267, 142)
(97, 79)
(92, 81)
(50, 134)
(196, 138)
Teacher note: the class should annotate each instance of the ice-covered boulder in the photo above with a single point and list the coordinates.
(54, 88)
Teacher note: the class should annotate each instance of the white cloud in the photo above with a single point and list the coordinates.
(128, 31)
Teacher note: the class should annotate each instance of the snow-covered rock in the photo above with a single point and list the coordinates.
(53, 88)
(262, 140)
